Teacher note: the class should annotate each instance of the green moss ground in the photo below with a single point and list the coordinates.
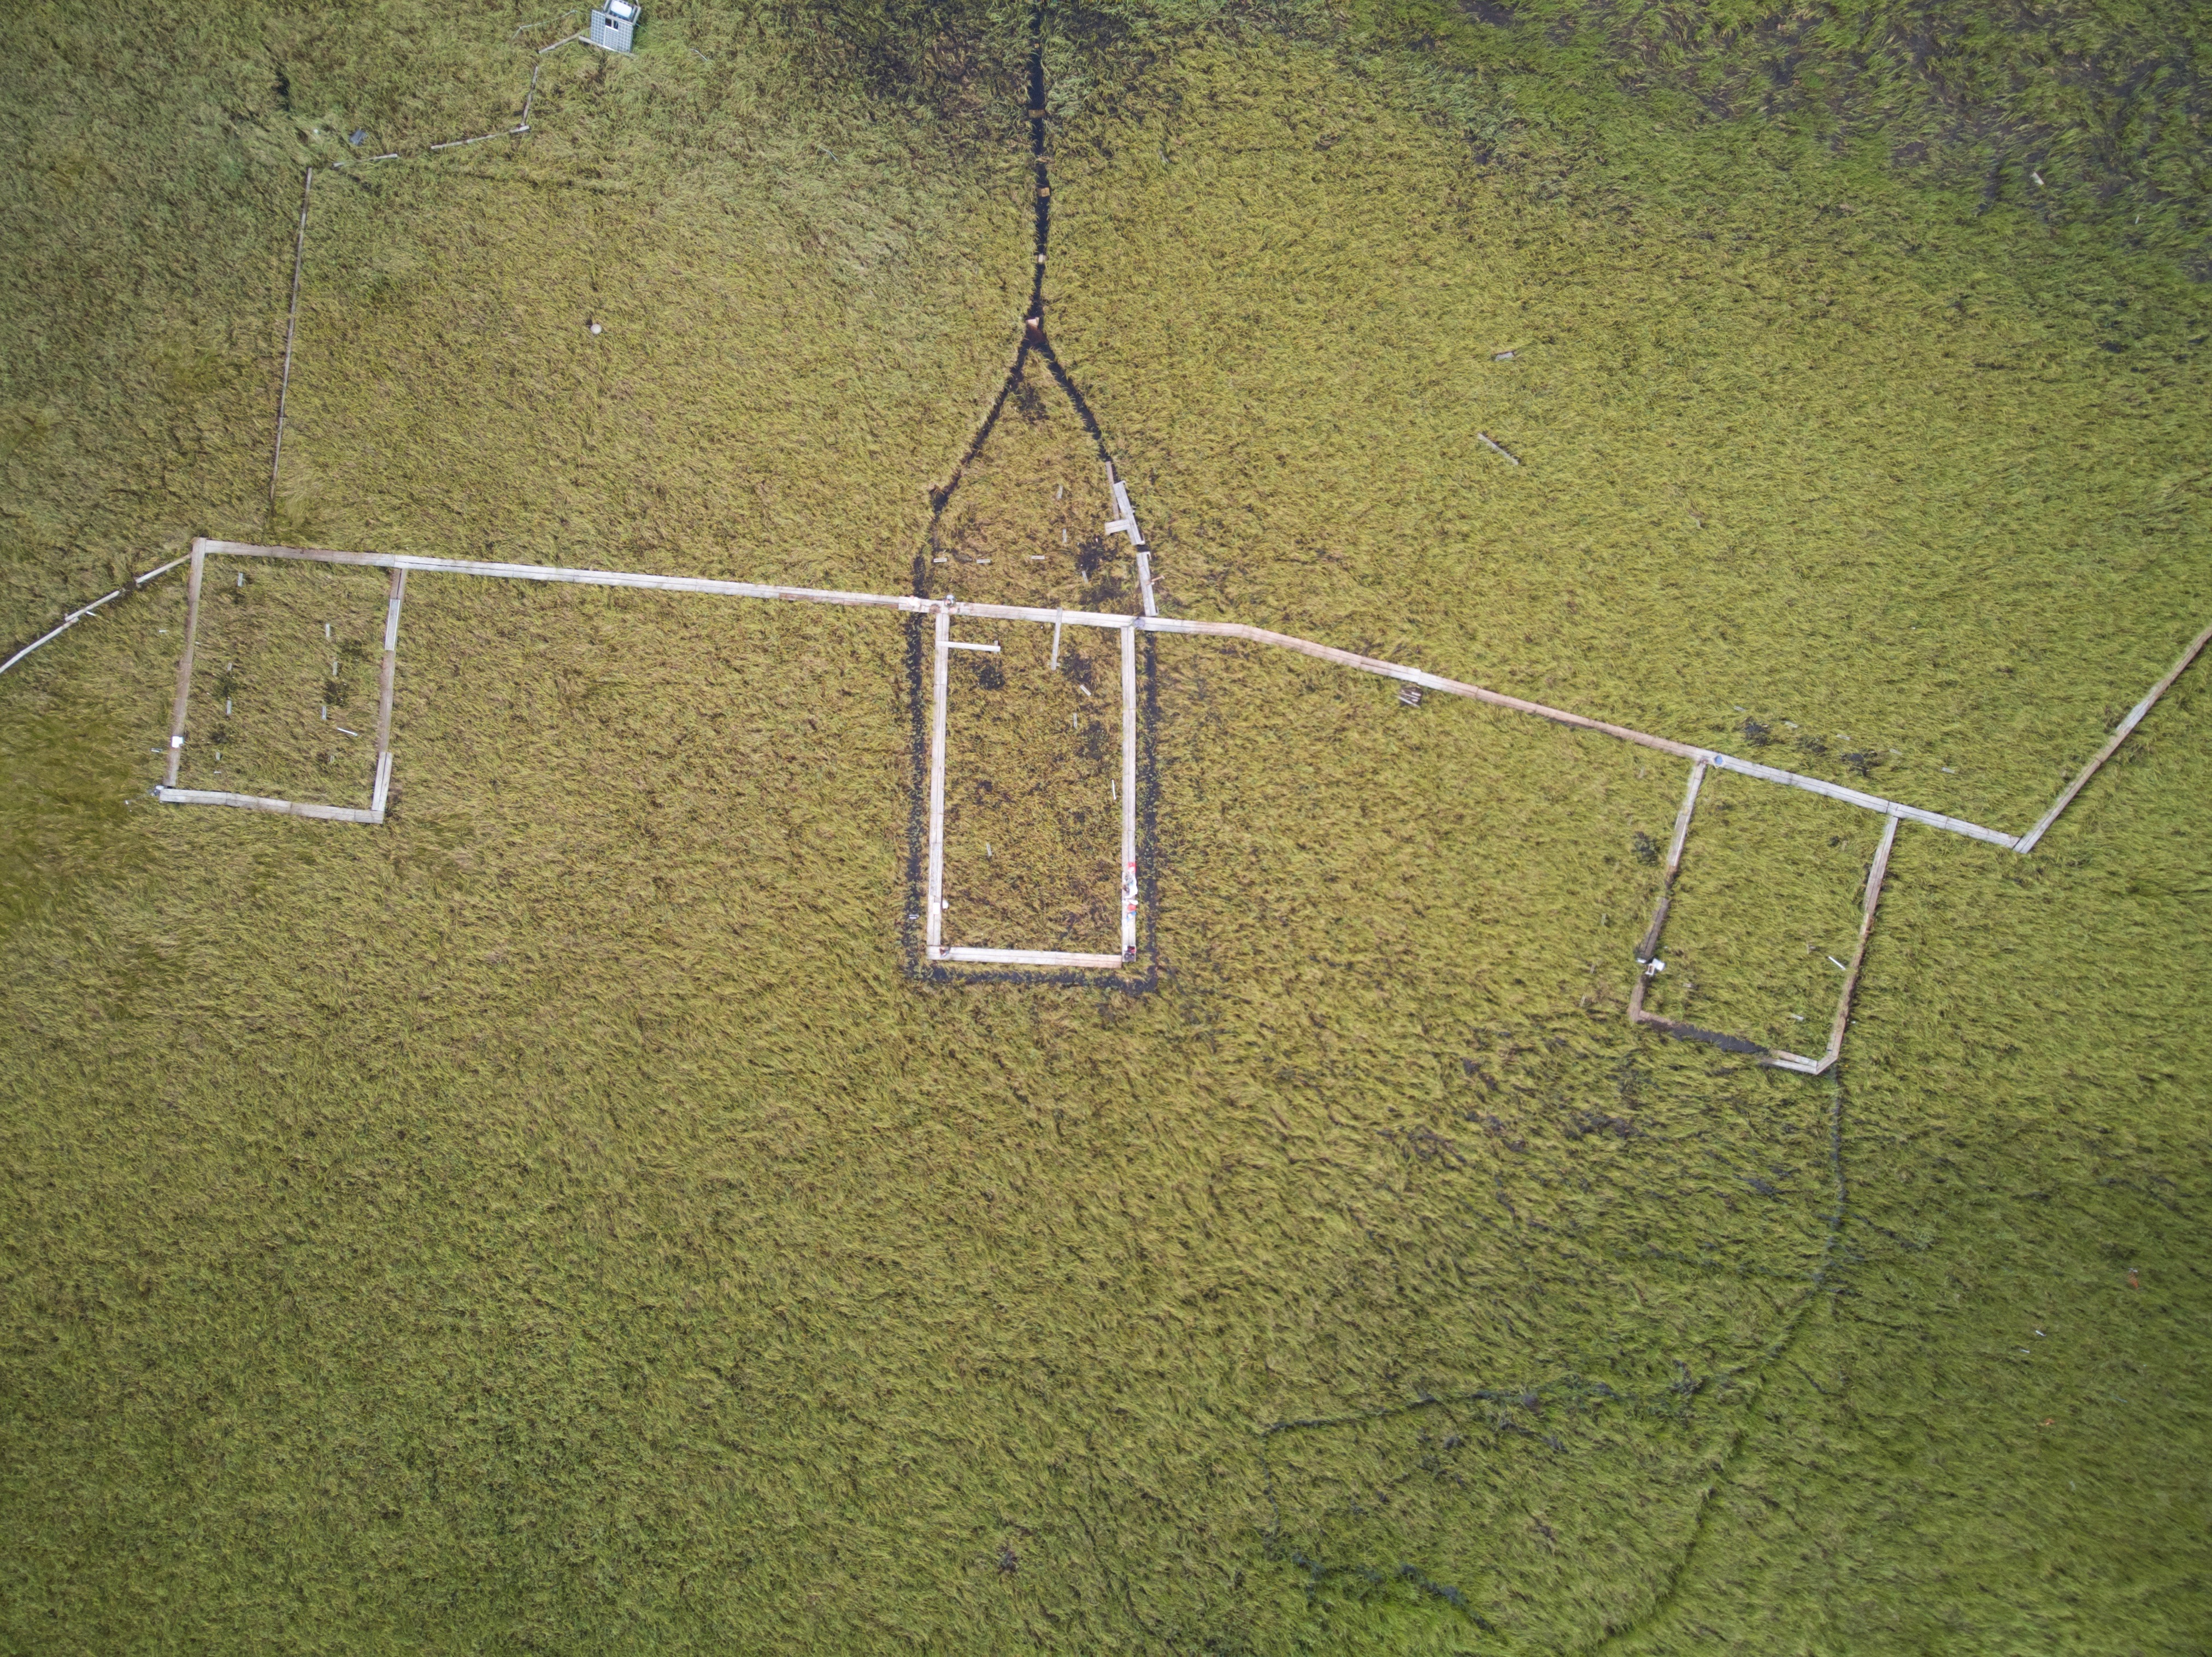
(558, 1220)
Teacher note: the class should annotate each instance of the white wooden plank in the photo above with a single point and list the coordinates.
(256, 802)
(1128, 792)
(2126, 727)
(1028, 957)
(1648, 949)
(1416, 676)
(1683, 820)
(1777, 1059)
(1864, 801)
(573, 577)
(387, 677)
(934, 932)
(1022, 612)
(1874, 876)
(68, 622)
(184, 664)
(1578, 721)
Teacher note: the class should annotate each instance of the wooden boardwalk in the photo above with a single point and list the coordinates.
(942, 611)
(586, 577)
(387, 677)
(1648, 964)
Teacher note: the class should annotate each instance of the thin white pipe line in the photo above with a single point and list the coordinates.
(543, 22)
(138, 582)
(483, 137)
(291, 329)
(155, 575)
(68, 622)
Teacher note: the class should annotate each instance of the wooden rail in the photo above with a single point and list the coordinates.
(934, 932)
(1648, 963)
(385, 679)
(942, 611)
(185, 664)
(1129, 885)
(1028, 957)
(2120, 734)
(256, 802)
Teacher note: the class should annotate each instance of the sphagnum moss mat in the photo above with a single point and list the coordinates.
(410, 1240)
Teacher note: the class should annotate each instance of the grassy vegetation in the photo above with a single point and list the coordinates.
(558, 1219)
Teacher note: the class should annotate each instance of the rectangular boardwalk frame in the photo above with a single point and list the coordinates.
(1647, 953)
(169, 793)
(934, 947)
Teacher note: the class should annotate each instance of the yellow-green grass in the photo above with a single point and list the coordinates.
(561, 1218)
